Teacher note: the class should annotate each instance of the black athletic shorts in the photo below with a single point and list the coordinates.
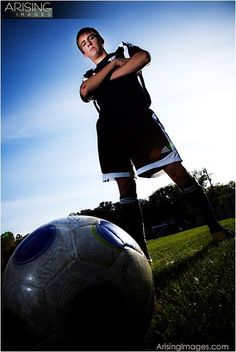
(133, 142)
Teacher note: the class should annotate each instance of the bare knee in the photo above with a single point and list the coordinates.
(178, 174)
(127, 186)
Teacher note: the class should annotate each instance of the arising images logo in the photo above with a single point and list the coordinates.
(28, 9)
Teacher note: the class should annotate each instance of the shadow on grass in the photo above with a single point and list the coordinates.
(191, 314)
(174, 271)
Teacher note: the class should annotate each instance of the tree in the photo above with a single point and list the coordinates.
(8, 245)
(223, 199)
(105, 210)
(201, 176)
(167, 204)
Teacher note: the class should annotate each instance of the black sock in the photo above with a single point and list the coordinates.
(196, 196)
(133, 221)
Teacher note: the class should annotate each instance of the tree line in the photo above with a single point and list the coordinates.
(165, 211)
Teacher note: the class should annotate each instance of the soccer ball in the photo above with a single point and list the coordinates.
(77, 283)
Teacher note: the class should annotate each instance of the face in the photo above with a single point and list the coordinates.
(90, 45)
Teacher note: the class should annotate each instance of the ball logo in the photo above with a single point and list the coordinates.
(21, 9)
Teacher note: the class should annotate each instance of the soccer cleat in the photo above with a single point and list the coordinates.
(222, 235)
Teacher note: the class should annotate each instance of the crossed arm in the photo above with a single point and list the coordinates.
(116, 69)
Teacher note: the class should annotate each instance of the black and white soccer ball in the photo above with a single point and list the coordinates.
(77, 283)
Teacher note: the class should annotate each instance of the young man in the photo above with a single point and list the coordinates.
(131, 138)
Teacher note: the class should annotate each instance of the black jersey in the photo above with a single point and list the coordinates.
(125, 93)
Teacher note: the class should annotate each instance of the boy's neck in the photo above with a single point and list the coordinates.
(100, 58)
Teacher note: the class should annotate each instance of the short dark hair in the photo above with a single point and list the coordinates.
(85, 30)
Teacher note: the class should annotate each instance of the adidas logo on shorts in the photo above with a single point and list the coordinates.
(165, 150)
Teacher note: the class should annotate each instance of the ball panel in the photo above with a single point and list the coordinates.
(139, 278)
(44, 267)
(109, 233)
(80, 220)
(133, 274)
(70, 283)
(90, 247)
(104, 318)
(28, 305)
(115, 235)
(34, 244)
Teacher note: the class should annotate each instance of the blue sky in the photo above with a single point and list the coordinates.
(49, 155)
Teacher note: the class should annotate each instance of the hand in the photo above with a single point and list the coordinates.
(120, 62)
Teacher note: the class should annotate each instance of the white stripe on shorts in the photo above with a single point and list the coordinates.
(112, 176)
(170, 158)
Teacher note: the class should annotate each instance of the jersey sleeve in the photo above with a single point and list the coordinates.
(130, 49)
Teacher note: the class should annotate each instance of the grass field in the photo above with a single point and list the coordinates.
(195, 297)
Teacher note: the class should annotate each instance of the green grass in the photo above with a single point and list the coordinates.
(194, 281)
